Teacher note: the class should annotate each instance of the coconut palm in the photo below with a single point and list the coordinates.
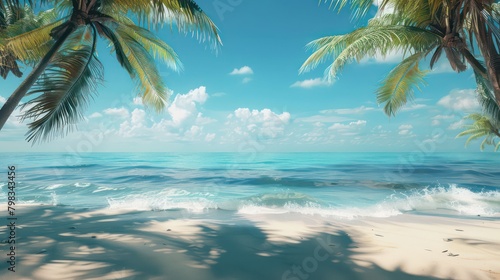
(68, 74)
(13, 21)
(419, 29)
(487, 123)
(482, 126)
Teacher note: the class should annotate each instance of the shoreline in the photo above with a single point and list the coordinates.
(54, 242)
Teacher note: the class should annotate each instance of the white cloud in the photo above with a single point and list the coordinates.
(337, 126)
(443, 117)
(2, 100)
(264, 123)
(194, 132)
(456, 125)
(442, 66)
(245, 70)
(352, 128)
(325, 116)
(310, 83)
(349, 111)
(210, 137)
(405, 129)
(413, 107)
(184, 105)
(436, 120)
(95, 115)
(138, 101)
(246, 80)
(135, 126)
(118, 112)
(461, 100)
(138, 116)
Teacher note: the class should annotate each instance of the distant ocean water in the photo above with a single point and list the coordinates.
(337, 185)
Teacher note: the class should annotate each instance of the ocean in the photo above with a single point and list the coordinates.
(335, 185)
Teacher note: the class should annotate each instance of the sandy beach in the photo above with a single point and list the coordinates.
(63, 243)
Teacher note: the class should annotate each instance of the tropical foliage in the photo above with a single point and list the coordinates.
(68, 73)
(481, 127)
(419, 29)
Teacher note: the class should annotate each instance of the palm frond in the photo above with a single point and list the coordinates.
(29, 39)
(359, 7)
(116, 46)
(141, 66)
(487, 97)
(481, 127)
(185, 14)
(367, 42)
(155, 46)
(70, 81)
(397, 88)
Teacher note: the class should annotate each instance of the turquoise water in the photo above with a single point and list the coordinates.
(337, 185)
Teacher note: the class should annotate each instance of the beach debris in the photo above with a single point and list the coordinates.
(447, 239)
(93, 236)
(169, 230)
(444, 251)
(452, 255)
(42, 251)
(428, 250)
(379, 235)
(457, 229)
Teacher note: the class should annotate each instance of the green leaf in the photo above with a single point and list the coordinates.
(69, 82)
(397, 88)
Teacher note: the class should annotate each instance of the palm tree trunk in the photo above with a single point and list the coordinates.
(23, 88)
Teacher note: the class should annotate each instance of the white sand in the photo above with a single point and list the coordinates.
(62, 243)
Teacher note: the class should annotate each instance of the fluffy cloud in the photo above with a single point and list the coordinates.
(245, 70)
(436, 120)
(2, 100)
(264, 123)
(456, 125)
(246, 80)
(405, 129)
(117, 112)
(184, 105)
(135, 125)
(95, 115)
(461, 100)
(210, 137)
(310, 83)
(138, 101)
(183, 121)
(351, 128)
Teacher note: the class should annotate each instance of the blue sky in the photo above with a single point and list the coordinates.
(249, 95)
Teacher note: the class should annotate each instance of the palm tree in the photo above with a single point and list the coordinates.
(19, 21)
(482, 126)
(9, 15)
(68, 74)
(420, 29)
(487, 123)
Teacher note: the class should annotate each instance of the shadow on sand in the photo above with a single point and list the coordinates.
(61, 243)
